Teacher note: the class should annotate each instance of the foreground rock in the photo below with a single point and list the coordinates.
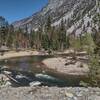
(67, 66)
(49, 93)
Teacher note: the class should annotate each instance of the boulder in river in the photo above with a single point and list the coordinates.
(35, 83)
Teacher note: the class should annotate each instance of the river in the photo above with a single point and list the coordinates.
(34, 65)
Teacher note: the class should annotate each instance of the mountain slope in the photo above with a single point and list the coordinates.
(78, 15)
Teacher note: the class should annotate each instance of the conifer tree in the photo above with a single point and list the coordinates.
(49, 33)
(10, 41)
(62, 36)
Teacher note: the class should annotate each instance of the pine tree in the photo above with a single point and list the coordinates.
(3, 30)
(49, 33)
(10, 41)
(39, 38)
(62, 36)
(32, 38)
(3, 35)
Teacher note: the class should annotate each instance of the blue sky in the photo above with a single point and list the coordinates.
(14, 10)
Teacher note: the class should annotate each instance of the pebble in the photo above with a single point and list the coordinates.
(94, 97)
(49, 93)
(70, 95)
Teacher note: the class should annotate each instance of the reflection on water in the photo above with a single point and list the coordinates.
(30, 64)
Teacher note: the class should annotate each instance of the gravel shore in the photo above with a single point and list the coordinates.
(49, 93)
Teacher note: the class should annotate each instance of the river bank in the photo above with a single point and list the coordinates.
(49, 93)
(61, 62)
(15, 54)
(67, 66)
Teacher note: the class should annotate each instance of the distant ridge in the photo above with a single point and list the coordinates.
(78, 15)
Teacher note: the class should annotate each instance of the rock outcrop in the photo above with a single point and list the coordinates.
(78, 15)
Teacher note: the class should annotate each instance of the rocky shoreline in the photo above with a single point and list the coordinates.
(49, 93)
(36, 92)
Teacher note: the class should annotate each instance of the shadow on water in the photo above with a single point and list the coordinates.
(31, 69)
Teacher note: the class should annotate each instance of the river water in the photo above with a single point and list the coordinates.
(33, 64)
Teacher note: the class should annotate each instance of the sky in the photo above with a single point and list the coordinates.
(14, 10)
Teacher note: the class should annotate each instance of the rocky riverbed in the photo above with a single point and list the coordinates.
(49, 93)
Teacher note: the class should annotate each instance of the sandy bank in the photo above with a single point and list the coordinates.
(12, 54)
(67, 66)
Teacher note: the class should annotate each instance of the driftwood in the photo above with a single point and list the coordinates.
(12, 79)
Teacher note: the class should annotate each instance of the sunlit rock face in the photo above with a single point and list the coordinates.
(78, 14)
(3, 22)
